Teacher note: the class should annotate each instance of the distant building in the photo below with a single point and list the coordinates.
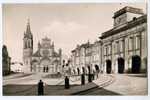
(6, 61)
(86, 58)
(120, 49)
(45, 59)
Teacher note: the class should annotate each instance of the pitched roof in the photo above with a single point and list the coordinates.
(37, 54)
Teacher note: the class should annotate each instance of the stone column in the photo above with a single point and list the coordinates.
(126, 48)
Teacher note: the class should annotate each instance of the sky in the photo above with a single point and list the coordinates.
(65, 24)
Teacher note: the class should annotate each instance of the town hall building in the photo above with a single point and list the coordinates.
(124, 46)
(45, 59)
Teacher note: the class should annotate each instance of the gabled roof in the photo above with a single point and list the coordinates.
(37, 54)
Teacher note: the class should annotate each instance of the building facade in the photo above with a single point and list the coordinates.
(45, 59)
(125, 45)
(120, 49)
(86, 58)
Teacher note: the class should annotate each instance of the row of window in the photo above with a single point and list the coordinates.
(119, 46)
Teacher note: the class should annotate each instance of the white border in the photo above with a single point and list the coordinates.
(72, 97)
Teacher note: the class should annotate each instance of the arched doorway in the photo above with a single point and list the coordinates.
(108, 66)
(44, 63)
(78, 70)
(97, 68)
(43, 69)
(136, 64)
(120, 65)
(46, 69)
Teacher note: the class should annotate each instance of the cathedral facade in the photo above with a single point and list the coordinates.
(45, 59)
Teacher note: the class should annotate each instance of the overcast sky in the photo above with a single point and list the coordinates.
(65, 24)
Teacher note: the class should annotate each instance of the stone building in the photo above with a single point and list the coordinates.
(45, 59)
(120, 49)
(6, 61)
(124, 46)
(86, 57)
(97, 55)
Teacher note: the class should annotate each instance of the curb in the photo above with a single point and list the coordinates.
(101, 85)
(84, 90)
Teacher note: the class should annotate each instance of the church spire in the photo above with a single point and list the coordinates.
(28, 30)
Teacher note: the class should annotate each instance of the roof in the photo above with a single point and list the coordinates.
(125, 26)
(34, 61)
(55, 54)
(85, 45)
(37, 54)
(128, 9)
(46, 39)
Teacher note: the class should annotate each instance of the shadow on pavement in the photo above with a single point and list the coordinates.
(31, 90)
(97, 92)
(53, 90)
(137, 75)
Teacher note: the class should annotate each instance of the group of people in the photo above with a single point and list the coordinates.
(91, 77)
(41, 86)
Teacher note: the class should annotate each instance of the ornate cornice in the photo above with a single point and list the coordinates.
(131, 24)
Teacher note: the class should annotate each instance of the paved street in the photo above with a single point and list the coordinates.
(130, 84)
(125, 84)
(27, 84)
(115, 84)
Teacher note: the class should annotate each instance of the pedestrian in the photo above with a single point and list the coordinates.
(82, 79)
(40, 88)
(67, 85)
(89, 77)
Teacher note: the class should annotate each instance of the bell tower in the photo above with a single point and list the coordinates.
(27, 48)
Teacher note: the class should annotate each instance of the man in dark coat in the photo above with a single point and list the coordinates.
(89, 77)
(67, 85)
(82, 79)
(40, 88)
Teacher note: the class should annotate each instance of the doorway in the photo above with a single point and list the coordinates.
(136, 64)
(108, 66)
(120, 65)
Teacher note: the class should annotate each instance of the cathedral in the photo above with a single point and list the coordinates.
(45, 59)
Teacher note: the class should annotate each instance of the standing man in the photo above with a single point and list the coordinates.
(40, 88)
(67, 85)
(82, 79)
